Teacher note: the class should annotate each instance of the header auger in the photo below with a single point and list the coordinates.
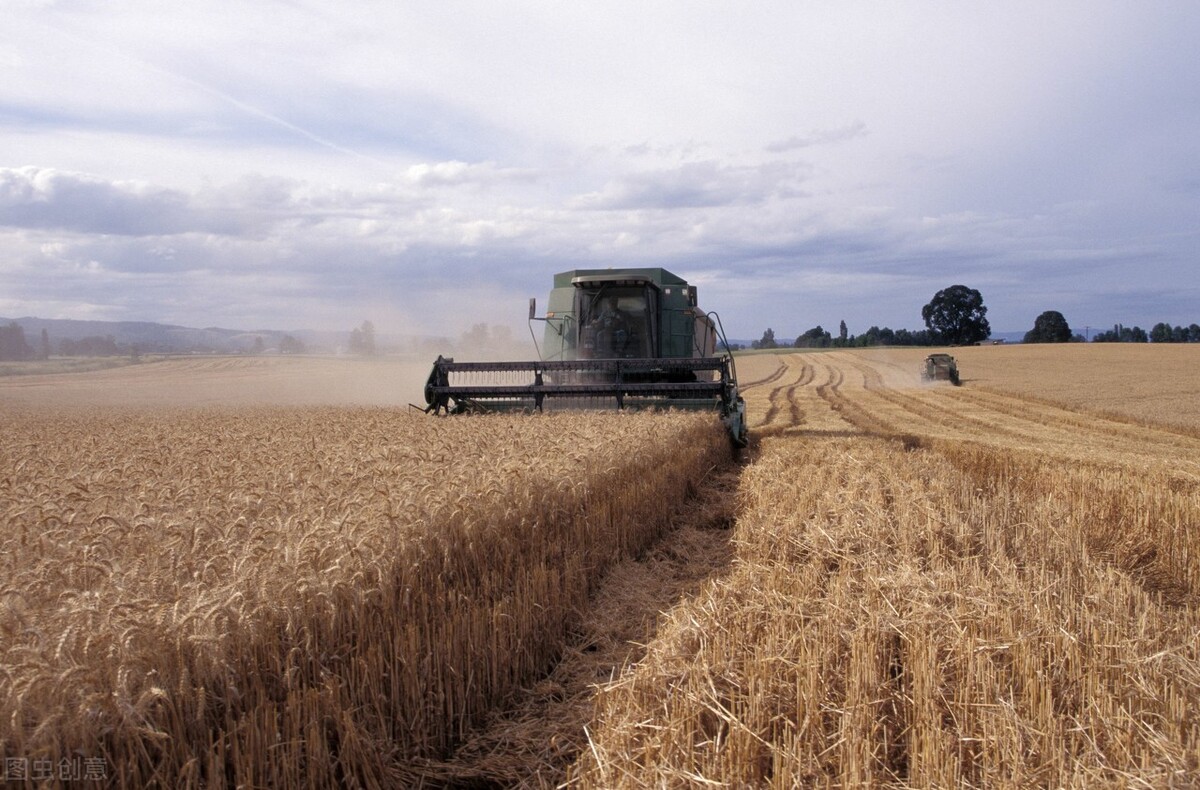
(629, 338)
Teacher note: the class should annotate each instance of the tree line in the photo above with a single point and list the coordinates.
(14, 346)
(957, 316)
(1159, 333)
(819, 337)
(954, 316)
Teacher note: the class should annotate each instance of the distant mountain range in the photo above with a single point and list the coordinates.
(148, 337)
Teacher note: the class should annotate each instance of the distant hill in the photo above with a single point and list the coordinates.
(149, 337)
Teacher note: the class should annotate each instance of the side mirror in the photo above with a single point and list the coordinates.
(532, 307)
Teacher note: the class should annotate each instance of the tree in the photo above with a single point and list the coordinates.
(290, 345)
(1049, 327)
(814, 338)
(368, 337)
(44, 352)
(955, 315)
(767, 341)
(362, 339)
(1165, 333)
(1122, 334)
(1160, 333)
(90, 346)
(12, 342)
(475, 338)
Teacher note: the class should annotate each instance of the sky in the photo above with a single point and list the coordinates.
(430, 166)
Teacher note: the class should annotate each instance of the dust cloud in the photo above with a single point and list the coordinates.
(218, 381)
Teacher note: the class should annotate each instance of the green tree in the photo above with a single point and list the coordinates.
(876, 337)
(1122, 334)
(1134, 335)
(817, 337)
(956, 315)
(843, 335)
(1049, 327)
(767, 341)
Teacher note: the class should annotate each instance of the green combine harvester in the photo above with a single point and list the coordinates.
(629, 338)
(940, 367)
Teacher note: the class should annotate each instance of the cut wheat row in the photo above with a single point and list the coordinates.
(891, 621)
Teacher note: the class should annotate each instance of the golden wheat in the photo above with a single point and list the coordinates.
(1154, 382)
(310, 596)
(933, 586)
(898, 618)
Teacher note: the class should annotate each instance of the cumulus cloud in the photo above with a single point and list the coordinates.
(807, 164)
(252, 206)
(42, 198)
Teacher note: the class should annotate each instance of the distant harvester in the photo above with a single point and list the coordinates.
(940, 367)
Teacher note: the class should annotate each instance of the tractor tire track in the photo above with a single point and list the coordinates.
(784, 395)
(1004, 421)
(775, 375)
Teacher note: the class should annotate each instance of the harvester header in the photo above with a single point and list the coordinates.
(633, 338)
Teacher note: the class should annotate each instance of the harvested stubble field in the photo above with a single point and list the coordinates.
(934, 587)
(994, 585)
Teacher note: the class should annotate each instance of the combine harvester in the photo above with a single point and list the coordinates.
(629, 338)
(940, 367)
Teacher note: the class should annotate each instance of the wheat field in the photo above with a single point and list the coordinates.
(993, 585)
(933, 587)
(312, 596)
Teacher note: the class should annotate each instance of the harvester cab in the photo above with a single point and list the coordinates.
(629, 338)
(940, 367)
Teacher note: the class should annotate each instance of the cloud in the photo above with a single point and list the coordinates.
(456, 173)
(819, 137)
(696, 184)
(806, 165)
(33, 197)
(253, 206)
